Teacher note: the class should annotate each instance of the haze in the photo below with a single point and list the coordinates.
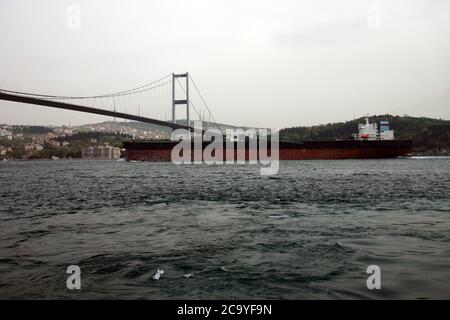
(258, 63)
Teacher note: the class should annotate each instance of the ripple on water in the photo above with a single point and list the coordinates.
(224, 231)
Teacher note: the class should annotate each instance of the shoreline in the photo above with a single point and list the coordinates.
(413, 156)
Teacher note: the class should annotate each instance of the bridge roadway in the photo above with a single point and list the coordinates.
(67, 106)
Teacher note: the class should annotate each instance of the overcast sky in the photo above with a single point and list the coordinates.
(262, 63)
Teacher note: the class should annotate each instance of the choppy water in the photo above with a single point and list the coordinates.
(225, 231)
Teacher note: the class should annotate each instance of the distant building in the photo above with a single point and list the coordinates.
(5, 133)
(105, 152)
(63, 131)
(4, 150)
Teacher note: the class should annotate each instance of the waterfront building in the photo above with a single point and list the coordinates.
(100, 152)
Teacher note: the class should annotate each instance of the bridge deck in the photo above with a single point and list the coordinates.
(74, 107)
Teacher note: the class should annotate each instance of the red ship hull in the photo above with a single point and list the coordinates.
(305, 150)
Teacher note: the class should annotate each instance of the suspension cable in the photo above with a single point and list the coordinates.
(203, 100)
(120, 93)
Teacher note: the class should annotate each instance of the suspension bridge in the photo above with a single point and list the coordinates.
(156, 102)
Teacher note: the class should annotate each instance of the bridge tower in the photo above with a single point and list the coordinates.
(182, 102)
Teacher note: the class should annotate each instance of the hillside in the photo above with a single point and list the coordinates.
(429, 136)
(118, 126)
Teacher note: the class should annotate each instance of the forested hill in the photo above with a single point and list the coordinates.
(430, 136)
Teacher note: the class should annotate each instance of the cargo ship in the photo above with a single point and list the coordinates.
(369, 143)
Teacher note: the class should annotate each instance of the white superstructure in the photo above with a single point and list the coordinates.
(369, 131)
(385, 133)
